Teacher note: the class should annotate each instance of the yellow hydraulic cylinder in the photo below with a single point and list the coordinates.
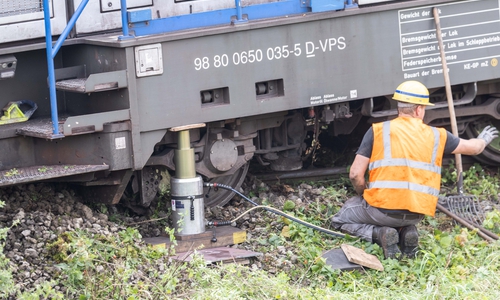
(184, 157)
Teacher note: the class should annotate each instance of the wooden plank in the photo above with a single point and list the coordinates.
(225, 236)
(360, 257)
(190, 237)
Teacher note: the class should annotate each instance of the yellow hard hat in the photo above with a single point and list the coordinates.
(412, 92)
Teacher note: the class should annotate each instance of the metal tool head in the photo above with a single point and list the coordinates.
(466, 207)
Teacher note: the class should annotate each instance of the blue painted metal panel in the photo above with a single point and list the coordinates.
(350, 5)
(326, 5)
(140, 16)
(226, 16)
(212, 18)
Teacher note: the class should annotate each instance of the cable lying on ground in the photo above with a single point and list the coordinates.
(267, 208)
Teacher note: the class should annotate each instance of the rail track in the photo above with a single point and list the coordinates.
(330, 173)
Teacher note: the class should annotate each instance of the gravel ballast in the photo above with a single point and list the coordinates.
(42, 212)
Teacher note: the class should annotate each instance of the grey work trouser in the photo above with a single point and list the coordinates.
(358, 218)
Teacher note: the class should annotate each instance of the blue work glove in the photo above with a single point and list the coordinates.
(488, 134)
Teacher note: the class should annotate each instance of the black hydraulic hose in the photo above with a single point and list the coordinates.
(218, 223)
(275, 211)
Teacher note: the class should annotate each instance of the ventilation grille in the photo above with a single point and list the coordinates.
(20, 7)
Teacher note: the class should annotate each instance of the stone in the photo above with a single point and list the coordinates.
(31, 252)
(87, 212)
(20, 215)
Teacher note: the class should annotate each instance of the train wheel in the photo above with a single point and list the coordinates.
(221, 196)
(491, 154)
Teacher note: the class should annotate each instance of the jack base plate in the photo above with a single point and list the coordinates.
(224, 236)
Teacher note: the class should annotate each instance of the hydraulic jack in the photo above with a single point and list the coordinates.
(188, 212)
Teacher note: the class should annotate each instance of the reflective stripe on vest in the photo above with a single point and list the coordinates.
(399, 162)
(404, 185)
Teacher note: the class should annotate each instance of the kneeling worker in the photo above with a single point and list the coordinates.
(404, 158)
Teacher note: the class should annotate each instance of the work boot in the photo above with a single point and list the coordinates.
(408, 240)
(387, 238)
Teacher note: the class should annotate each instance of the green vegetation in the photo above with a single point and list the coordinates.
(6, 282)
(12, 172)
(106, 267)
(44, 169)
(476, 181)
(452, 262)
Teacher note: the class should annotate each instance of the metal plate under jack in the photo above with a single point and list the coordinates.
(225, 236)
(220, 254)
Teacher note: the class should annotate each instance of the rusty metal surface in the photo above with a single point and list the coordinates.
(150, 179)
(220, 254)
(70, 125)
(72, 85)
(29, 174)
(89, 123)
(482, 232)
(95, 82)
(301, 174)
(40, 128)
(328, 173)
(109, 190)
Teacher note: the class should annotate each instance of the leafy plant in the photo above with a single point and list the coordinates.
(288, 205)
(43, 291)
(44, 169)
(103, 267)
(12, 172)
(6, 281)
(476, 181)
(479, 182)
(337, 194)
(492, 221)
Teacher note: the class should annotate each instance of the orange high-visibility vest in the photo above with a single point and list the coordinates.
(405, 166)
